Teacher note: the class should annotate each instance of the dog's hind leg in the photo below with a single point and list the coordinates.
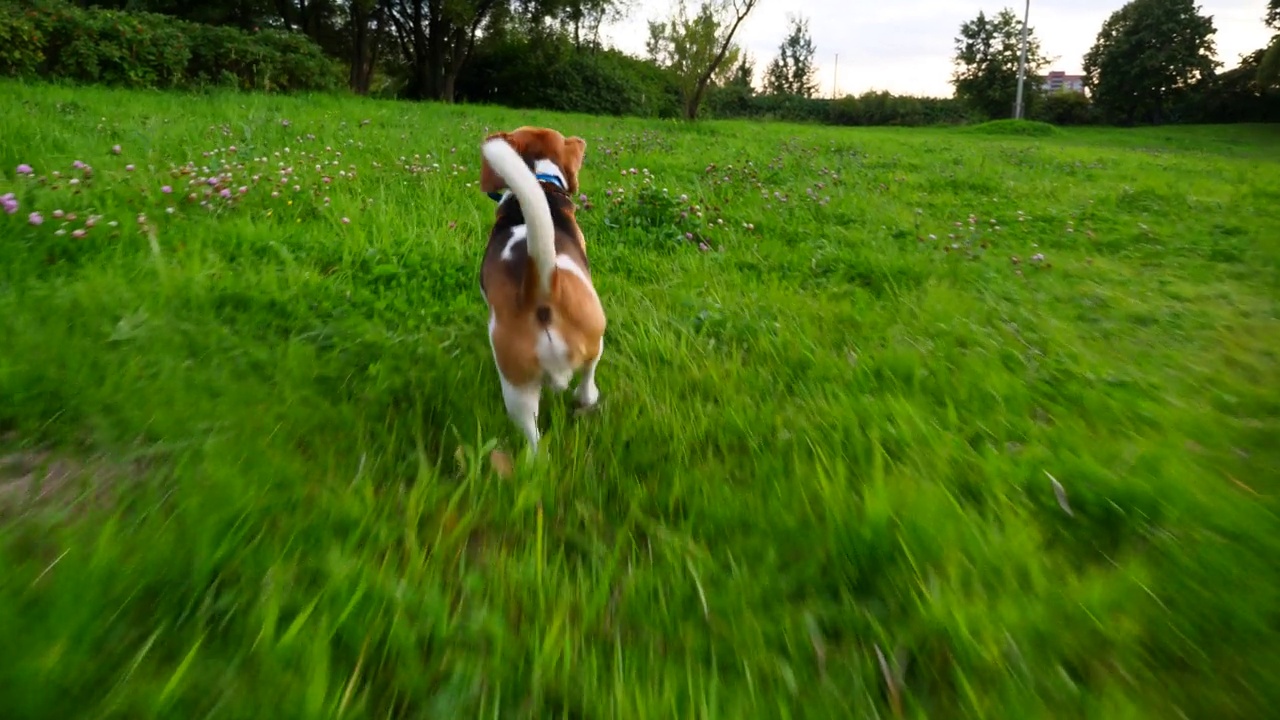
(522, 406)
(587, 394)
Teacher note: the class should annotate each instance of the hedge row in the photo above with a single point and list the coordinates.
(57, 41)
(872, 108)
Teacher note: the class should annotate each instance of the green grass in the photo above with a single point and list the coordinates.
(246, 464)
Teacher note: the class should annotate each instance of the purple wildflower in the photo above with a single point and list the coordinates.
(25, 169)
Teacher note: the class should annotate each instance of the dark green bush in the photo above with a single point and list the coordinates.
(594, 81)
(58, 41)
(730, 101)
(1066, 108)
(21, 45)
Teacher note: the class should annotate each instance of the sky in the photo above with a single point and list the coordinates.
(905, 46)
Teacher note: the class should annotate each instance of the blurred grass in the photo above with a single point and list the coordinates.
(245, 460)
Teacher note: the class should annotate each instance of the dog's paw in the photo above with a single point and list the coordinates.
(580, 408)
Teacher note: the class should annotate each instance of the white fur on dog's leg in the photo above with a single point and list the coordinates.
(521, 401)
(522, 406)
(587, 394)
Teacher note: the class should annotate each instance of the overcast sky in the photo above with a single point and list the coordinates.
(905, 46)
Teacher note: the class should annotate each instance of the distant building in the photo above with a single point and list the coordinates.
(1059, 81)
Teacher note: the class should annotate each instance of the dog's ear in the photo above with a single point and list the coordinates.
(575, 149)
(491, 181)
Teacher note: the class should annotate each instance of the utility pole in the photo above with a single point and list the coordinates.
(1022, 64)
(835, 79)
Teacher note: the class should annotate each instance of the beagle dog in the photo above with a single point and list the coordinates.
(545, 319)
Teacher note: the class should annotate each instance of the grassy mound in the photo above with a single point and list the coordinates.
(1015, 128)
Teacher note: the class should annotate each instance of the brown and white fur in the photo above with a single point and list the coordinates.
(545, 319)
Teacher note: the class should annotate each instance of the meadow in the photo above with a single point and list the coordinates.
(956, 422)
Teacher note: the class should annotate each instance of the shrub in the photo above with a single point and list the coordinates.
(21, 45)
(55, 40)
(1066, 108)
(594, 81)
(730, 101)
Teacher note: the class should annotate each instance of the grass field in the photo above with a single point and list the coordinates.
(896, 423)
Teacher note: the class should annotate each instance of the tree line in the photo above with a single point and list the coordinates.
(1153, 60)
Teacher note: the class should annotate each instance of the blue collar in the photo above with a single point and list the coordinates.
(542, 177)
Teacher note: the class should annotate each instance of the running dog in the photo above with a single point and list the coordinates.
(546, 322)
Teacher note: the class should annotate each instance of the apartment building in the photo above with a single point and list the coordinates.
(1059, 81)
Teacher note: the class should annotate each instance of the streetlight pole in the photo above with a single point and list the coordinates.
(1022, 64)
(835, 78)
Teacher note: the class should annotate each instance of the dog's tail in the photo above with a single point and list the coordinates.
(533, 204)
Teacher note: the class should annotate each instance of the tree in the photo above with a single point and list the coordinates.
(1148, 55)
(435, 38)
(1269, 67)
(587, 16)
(743, 75)
(696, 48)
(986, 59)
(367, 31)
(792, 71)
